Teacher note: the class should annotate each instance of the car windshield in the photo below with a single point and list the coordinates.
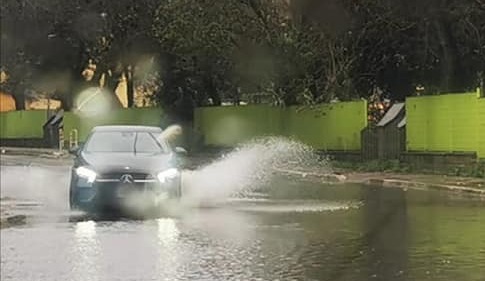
(139, 142)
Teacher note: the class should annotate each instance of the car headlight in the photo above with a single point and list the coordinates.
(167, 175)
(86, 173)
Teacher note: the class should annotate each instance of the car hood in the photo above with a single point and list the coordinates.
(123, 161)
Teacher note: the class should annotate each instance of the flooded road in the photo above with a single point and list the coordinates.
(290, 230)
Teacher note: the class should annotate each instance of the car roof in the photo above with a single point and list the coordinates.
(151, 129)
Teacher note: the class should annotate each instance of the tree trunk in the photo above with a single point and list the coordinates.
(448, 64)
(129, 86)
(237, 96)
(77, 85)
(211, 89)
(165, 96)
(112, 80)
(66, 105)
(19, 97)
(77, 81)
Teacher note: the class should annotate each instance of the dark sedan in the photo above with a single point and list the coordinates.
(120, 167)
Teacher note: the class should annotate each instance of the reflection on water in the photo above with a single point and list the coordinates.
(297, 231)
(86, 252)
(169, 260)
(385, 241)
(167, 232)
(85, 230)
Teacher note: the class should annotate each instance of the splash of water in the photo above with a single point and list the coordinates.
(93, 102)
(251, 166)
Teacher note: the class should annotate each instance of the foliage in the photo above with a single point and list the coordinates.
(224, 48)
(208, 52)
(476, 170)
(394, 166)
(438, 44)
(46, 45)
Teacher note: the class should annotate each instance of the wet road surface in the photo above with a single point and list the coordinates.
(291, 230)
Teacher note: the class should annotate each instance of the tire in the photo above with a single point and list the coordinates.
(72, 201)
(176, 189)
(179, 188)
(72, 204)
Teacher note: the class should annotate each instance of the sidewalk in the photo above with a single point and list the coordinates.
(439, 182)
(12, 212)
(415, 181)
(475, 186)
(20, 156)
(45, 152)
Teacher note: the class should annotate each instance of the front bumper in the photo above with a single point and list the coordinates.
(112, 194)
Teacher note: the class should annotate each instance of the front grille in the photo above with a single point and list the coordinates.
(116, 177)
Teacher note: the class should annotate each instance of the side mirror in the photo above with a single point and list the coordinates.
(180, 150)
(75, 150)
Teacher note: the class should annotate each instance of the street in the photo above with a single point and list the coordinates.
(242, 140)
(289, 230)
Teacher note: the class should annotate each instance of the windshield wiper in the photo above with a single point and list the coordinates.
(134, 143)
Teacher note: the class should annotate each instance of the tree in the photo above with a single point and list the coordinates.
(41, 39)
(206, 53)
(197, 40)
(216, 51)
(20, 24)
(402, 44)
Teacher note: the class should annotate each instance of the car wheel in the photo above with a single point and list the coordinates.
(179, 188)
(72, 194)
(72, 204)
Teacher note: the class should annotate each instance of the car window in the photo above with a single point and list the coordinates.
(142, 142)
(145, 142)
(111, 142)
(163, 143)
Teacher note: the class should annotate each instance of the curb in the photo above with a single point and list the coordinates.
(39, 152)
(334, 178)
(423, 185)
(11, 214)
(338, 178)
(12, 220)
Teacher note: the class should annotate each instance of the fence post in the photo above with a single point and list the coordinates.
(73, 138)
(61, 139)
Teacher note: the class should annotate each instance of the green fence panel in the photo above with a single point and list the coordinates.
(328, 127)
(481, 127)
(464, 134)
(445, 123)
(227, 126)
(438, 124)
(416, 123)
(22, 124)
(28, 124)
(333, 126)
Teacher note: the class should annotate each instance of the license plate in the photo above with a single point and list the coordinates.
(122, 191)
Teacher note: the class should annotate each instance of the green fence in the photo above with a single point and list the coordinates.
(28, 124)
(481, 127)
(446, 123)
(227, 126)
(329, 127)
(22, 124)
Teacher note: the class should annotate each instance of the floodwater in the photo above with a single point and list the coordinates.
(289, 230)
